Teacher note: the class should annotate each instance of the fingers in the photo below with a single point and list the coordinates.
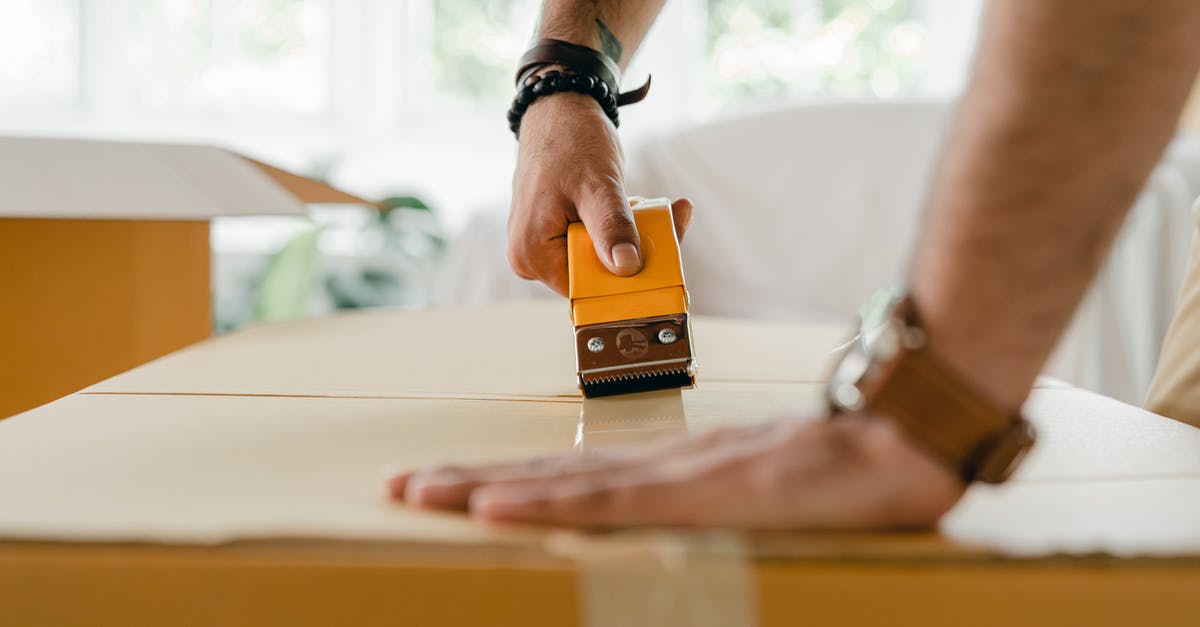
(398, 483)
(605, 211)
(569, 168)
(539, 260)
(729, 481)
(451, 487)
(681, 212)
(698, 487)
(537, 240)
(537, 249)
(609, 221)
(620, 498)
(845, 474)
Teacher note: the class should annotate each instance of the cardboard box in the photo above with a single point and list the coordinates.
(241, 482)
(104, 253)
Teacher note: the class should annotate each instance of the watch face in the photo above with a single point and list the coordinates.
(843, 389)
(876, 312)
(878, 339)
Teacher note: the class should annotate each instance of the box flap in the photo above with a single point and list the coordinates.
(271, 453)
(530, 353)
(73, 178)
(307, 190)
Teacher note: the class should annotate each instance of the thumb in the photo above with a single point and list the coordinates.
(609, 221)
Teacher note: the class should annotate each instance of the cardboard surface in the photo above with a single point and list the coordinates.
(164, 468)
(503, 351)
(152, 586)
(207, 469)
(104, 253)
(255, 585)
(207, 483)
(74, 178)
(86, 299)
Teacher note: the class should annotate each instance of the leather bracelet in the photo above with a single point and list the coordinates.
(555, 82)
(579, 59)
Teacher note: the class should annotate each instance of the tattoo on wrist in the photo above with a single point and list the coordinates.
(609, 44)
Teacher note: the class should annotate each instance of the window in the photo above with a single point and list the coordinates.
(229, 55)
(408, 96)
(771, 48)
(39, 53)
(475, 43)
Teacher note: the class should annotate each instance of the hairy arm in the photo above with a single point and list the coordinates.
(1071, 104)
(614, 27)
(569, 162)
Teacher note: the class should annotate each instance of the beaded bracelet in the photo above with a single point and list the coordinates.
(554, 82)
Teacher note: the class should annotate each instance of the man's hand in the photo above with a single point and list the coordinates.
(569, 169)
(851, 473)
(569, 160)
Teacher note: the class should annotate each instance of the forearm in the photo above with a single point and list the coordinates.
(1071, 104)
(615, 27)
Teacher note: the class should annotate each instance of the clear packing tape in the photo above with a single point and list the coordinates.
(657, 579)
(661, 579)
(629, 419)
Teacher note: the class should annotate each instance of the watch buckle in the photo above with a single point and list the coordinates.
(1001, 458)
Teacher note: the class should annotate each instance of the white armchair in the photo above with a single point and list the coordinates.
(801, 213)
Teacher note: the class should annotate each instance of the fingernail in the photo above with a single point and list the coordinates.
(625, 257)
(398, 486)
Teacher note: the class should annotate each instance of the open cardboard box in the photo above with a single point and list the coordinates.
(104, 253)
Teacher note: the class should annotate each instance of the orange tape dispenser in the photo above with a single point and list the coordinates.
(632, 334)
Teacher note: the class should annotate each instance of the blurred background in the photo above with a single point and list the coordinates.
(406, 94)
(804, 129)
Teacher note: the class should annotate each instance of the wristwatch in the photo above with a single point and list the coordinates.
(887, 371)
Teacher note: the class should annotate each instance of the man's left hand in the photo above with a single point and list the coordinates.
(855, 472)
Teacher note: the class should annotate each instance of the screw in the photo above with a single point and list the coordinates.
(667, 336)
(595, 344)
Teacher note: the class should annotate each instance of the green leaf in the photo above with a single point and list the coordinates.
(411, 202)
(288, 282)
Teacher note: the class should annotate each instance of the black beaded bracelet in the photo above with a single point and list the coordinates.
(554, 82)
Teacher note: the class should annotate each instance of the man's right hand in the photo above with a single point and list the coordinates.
(570, 169)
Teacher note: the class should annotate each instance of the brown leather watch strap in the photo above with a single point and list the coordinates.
(943, 413)
(956, 427)
(581, 59)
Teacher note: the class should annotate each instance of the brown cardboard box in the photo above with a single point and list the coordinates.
(104, 254)
(241, 482)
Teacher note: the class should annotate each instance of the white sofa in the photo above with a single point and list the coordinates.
(802, 212)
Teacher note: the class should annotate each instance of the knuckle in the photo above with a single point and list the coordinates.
(519, 262)
(600, 183)
(616, 222)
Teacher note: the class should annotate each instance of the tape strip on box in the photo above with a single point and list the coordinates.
(662, 579)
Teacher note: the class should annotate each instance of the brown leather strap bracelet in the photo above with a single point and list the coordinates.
(581, 59)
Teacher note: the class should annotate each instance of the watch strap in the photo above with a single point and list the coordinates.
(943, 413)
(980, 442)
